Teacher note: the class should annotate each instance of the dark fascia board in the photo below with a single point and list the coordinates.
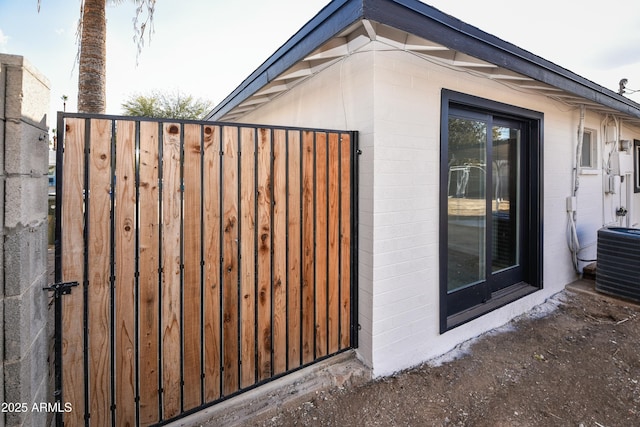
(425, 21)
(431, 24)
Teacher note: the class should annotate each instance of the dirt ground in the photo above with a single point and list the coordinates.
(574, 361)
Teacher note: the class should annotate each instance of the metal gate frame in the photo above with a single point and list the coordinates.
(309, 143)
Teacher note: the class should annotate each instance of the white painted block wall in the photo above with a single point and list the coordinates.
(393, 99)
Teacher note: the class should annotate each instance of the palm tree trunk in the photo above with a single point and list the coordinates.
(92, 77)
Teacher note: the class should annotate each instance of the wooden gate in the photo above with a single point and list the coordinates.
(210, 258)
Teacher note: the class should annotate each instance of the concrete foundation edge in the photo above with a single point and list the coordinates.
(342, 370)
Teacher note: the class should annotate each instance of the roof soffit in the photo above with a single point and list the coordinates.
(436, 37)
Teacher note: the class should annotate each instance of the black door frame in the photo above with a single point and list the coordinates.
(532, 210)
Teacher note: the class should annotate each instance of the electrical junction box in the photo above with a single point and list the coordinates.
(626, 163)
(621, 163)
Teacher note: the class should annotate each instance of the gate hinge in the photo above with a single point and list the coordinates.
(63, 288)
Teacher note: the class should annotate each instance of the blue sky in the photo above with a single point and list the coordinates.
(207, 47)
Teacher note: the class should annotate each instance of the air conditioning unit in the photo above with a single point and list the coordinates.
(618, 265)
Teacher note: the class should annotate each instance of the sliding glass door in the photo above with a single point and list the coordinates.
(484, 207)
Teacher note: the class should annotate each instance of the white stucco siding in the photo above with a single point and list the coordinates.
(393, 99)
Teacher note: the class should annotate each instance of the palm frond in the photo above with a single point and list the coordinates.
(143, 23)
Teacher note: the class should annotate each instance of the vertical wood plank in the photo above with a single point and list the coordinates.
(248, 258)
(212, 331)
(99, 271)
(279, 251)
(192, 271)
(72, 223)
(334, 235)
(125, 252)
(273, 291)
(148, 273)
(345, 241)
(264, 253)
(321, 245)
(294, 260)
(171, 205)
(308, 247)
(230, 327)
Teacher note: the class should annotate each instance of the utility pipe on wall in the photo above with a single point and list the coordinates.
(628, 179)
(572, 206)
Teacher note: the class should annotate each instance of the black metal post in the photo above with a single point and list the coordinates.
(58, 289)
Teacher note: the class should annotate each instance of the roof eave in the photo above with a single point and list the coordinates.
(409, 15)
(424, 21)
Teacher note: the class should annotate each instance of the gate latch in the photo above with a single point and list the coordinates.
(60, 289)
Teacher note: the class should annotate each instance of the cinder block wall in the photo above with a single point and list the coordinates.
(24, 105)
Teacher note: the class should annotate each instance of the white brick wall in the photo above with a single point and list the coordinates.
(393, 99)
